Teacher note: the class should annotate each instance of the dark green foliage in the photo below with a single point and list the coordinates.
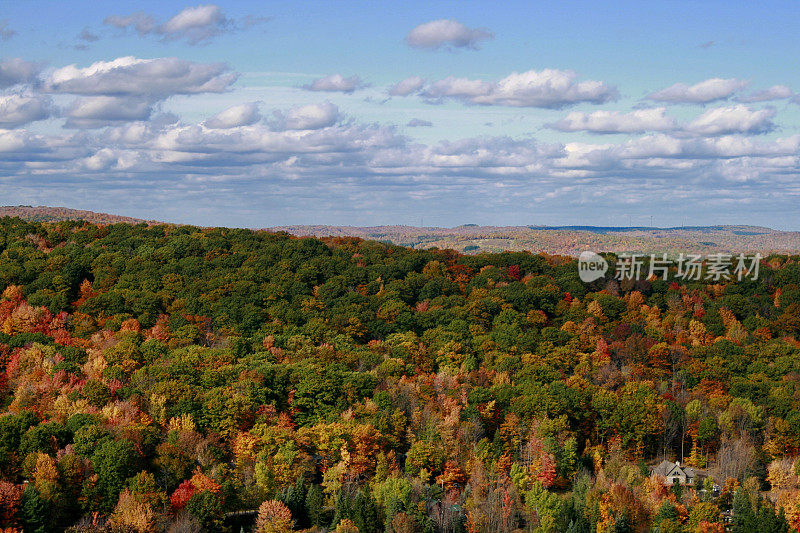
(208, 509)
(33, 512)
(763, 518)
(315, 505)
(12, 429)
(295, 499)
(114, 461)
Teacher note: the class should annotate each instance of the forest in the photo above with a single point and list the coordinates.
(173, 378)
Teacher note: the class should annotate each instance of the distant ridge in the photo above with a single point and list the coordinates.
(738, 230)
(473, 239)
(572, 240)
(56, 214)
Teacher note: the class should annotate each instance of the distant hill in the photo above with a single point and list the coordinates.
(473, 239)
(55, 214)
(572, 240)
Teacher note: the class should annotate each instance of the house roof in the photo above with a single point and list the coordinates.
(669, 469)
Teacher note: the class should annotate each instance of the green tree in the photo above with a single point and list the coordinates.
(315, 505)
(114, 461)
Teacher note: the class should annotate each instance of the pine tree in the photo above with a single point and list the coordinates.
(295, 500)
(344, 508)
(744, 519)
(33, 511)
(365, 513)
(315, 505)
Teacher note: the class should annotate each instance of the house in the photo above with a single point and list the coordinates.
(674, 473)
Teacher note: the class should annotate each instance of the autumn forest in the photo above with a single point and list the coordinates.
(174, 378)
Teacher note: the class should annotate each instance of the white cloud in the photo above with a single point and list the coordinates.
(17, 110)
(196, 25)
(407, 86)
(14, 71)
(637, 121)
(312, 146)
(100, 111)
(154, 78)
(357, 164)
(336, 83)
(307, 117)
(776, 92)
(235, 116)
(704, 92)
(551, 89)
(108, 159)
(446, 32)
(734, 119)
(19, 142)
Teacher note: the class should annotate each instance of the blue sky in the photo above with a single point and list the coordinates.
(272, 113)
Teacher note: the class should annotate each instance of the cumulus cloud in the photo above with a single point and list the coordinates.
(307, 117)
(407, 86)
(195, 25)
(419, 123)
(100, 111)
(17, 110)
(308, 145)
(704, 92)
(776, 92)
(154, 78)
(734, 119)
(235, 116)
(20, 143)
(109, 159)
(336, 83)
(550, 89)
(15, 71)
(6, 33)
(446, 33)
(638, 121)
(359, 163)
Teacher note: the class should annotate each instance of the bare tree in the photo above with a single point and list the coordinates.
(733, 459)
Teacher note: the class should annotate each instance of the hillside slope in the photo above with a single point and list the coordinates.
(54, 214)
(571, 240)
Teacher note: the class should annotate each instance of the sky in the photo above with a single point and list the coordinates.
(257, 114)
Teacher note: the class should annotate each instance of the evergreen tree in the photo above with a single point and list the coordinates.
(33, 511)
(768, 521)
(343, 508)
(744, 519)
(295, 499)
(365, 513)
(315, 505)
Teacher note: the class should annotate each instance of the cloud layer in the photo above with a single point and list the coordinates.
(15, 71)
(707, 91)
(130, 76)
(194, 25)
(446, 33)
(336, 83)
(18, 110)
(639, 121)
(109, 129)
(549, 88)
